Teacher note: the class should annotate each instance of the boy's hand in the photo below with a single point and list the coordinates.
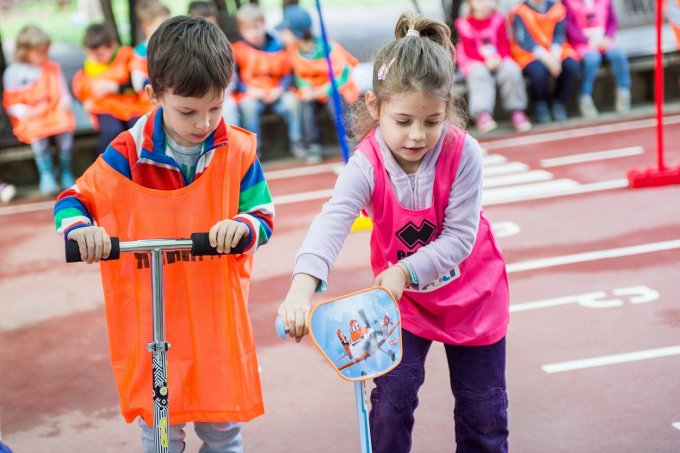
(394, 279)
(294, 311)
(255, 93)
(93, 241)
(493, 62)
(273, 95)
(226, 234)
(102, 87)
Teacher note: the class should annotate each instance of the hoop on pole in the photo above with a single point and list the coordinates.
(662, 175)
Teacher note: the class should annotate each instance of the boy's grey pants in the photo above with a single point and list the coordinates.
(216, 437)
(482, 88)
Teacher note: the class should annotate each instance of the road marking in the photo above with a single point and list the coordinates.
(26, 207)
(517, 178)
(494, 159)
(504, 169)
(504, 229)
(593, 256)
(556, 188)
(591, 157)
(639, 295)
(302, 171)
(611, 359)
(676, 425)
(575, 133)
(303, 196)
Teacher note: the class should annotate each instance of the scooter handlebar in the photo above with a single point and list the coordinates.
(73, 251)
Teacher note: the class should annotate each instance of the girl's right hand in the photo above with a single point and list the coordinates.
(93, 241)
(294, 311)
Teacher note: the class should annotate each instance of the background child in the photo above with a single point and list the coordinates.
(591, 25)
(540, 48)
(208, 11)
(311, 74)
(179, 170)
(415, 164)
(38, 103)
(483, 56)
(265, 77)
(104, 87)
(150, 14)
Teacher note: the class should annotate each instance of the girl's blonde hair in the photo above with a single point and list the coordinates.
(30, 37)
(414, 63)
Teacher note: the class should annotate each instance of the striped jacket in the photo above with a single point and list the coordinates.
(139, 154)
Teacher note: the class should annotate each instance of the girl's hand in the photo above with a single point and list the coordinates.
(394, 279)
(493, 62)
(226, 234)
(102, 87)
(93, 241)
(294, 311)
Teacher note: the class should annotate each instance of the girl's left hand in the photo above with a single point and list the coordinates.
(226, 234)
(394, 279)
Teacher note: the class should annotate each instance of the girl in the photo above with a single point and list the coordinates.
(539, 46)
(419, 176)
(38, 103)
(591, 25)
(483, 56)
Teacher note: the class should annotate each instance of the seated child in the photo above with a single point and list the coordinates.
(38, 103)
(265, 77)
(310, 68)
(104, 87)
(150, 14)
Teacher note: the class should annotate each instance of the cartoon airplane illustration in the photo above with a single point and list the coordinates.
(364, 340)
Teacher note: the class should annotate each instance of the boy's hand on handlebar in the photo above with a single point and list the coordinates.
(93, 241)
(226, 234)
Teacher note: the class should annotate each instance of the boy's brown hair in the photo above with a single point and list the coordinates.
(98, 35)
(30, 37)
(189, 56)
(202, 9)
(148, 10)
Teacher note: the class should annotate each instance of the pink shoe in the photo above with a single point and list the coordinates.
(485, 122)
(520, 121)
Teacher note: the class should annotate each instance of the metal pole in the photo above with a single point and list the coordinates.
(362, 417)
(658, 72)
(158, 349)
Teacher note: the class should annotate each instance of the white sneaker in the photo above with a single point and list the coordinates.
(622, 100)
(315, 154)
(7, 192)
(587, 107)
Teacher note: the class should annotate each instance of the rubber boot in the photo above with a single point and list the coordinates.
(66, 178)
(48, 182)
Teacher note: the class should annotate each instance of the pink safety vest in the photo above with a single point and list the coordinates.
(591, 19)
(486, 39)
(470, 304)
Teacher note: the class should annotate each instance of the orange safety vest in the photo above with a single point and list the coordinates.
(123, 106)
(212, 364)
(258, 68)
(315, 72)
(675, 27)
(54, 120)
(541, 27)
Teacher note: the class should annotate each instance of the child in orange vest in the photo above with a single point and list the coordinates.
(540, 47)
(265, 77)
(311, 73)
(180, 169)
(150, 14)
(38, 103)
(104, 87)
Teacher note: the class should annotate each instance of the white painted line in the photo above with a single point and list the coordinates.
(676, 425)
(611, 359)
(575, 133)
(593, 256)
(302, 171)
(494, 159)
(504, 229)
(640, 294)
(591, 157)
(27, 207)
(504, 169)
(517, 178)
(303, 196)
(535, 191)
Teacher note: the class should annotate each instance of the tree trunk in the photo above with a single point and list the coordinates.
(109, 18)
(135, 25)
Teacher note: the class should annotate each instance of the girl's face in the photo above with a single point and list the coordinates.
(37, 56)
(411, 124)
(482, 9)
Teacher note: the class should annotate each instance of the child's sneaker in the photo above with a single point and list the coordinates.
(559, 111)
(622, 100)
(485, 122)
(587, 107)
(520, 121)
(315, 155)
(298, 150)
(7, 192)
(542, 112)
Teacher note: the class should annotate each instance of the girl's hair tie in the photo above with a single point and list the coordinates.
(384, 69)
(412, 32)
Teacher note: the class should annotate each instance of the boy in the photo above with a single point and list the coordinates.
(179, 170)
(150, 14)
(311, 73)
(103, 85)
(265, 77)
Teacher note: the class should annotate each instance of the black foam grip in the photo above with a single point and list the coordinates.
(200, 245)
(73, 251)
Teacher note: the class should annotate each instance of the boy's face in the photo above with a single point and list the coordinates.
(38, 56)
(150, 26)
(482, 8)
(101, 54)
(253, 32)
(188, 120)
